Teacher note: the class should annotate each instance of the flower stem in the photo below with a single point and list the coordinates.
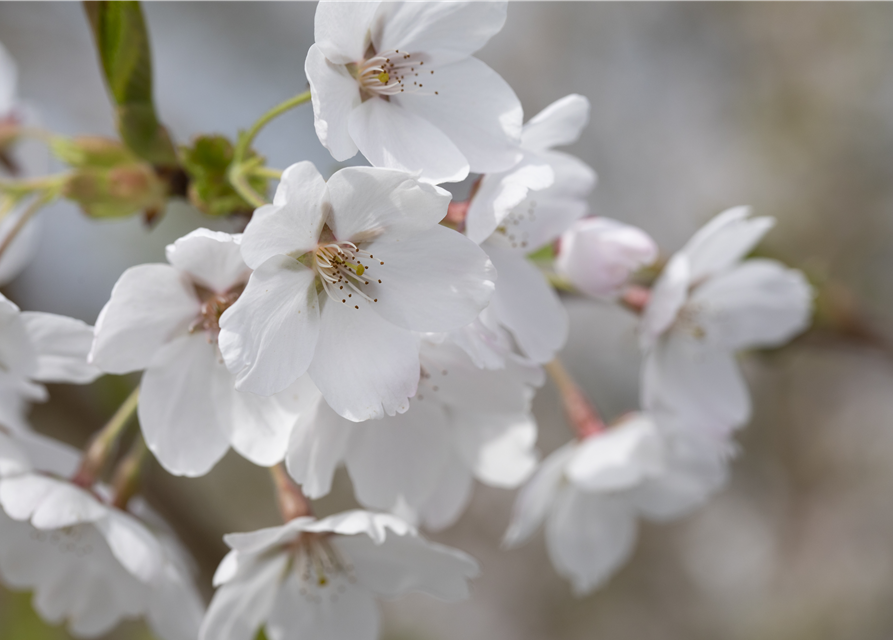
(579, 410)
(104, 442)
(237, 170)
(292, 501)
(26, 215)
(127, 474)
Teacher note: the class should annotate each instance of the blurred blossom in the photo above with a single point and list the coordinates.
(598, 255)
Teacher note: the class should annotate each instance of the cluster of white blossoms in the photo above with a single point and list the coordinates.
(368, 321)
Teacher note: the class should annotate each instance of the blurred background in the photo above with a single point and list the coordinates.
(696, 107)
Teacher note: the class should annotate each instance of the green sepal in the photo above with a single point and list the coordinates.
(207, 162)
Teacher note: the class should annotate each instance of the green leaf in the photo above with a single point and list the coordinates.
(123, 45)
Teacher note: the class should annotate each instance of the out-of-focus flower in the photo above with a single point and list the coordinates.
(591, 493)
(38, 347)
(397, 81)
(463, 423)
(370, 241)
(89, 564)
(514, 213)
(164, 318)
(598, 255)
(709, 303)
(316, 578)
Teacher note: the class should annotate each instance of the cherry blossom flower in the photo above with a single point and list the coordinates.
(38, 347)
(369, 242)
(598, 255)
(514, 213)
(591, 494)
(89, 564)
(397, 81)
(319, 579)
(463, 423)
(164, 318)
(709, 303)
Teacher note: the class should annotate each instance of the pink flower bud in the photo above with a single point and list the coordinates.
(598, 255)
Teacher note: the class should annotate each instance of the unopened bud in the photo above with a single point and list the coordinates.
(116, 192)
(598, 255)
(92, 152)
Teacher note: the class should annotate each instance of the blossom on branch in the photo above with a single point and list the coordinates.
(164, 318)
(320, 578)
(397, 81)
(709, 303)
(344, 272)
(90, 565)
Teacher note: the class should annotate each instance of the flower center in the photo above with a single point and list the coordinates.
(345, 270)
(391, 73)
(213, 306)
(322, 569)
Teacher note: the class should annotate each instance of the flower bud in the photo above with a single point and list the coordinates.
(598, 255)
(117, 192)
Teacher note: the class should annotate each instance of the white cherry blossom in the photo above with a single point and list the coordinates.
(89, 564)
(512, 214)
(163, 318)
(591, 493)
(38, 347)
(344, 273)
(9, 76)
(598, 255)
(464, 423)
(709, 303)
(397, 81)
(319, 579)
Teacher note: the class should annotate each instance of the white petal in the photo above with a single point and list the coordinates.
(499, 193)
(241, 606)
(268, 336)
(526, 305)
(544, 215)
(53, 503)
(760, 303)
(341, 29)
(404, 563)
(688, 379)
(334, 94)
(447, 31)
(262, 540)
(453, 493)
(150, 304)
(374, 525)
(364, 366)
(178, 410)
(393, 137)
(17, 354)
(368, 202)
(62, 345)
(559, 124)
(49, 455)
(437, 280)
(292, 224)
(589, 537)
(316, 448)
(724, 240)
(13, 459)
(475, 108)
(132, 544)
(536, 498)
(338, 612)
(211, 258)
(398, 457)
(261, 426)
(620, 458)
(668, 295)
(498, 447)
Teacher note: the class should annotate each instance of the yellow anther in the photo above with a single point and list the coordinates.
(384, 77)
